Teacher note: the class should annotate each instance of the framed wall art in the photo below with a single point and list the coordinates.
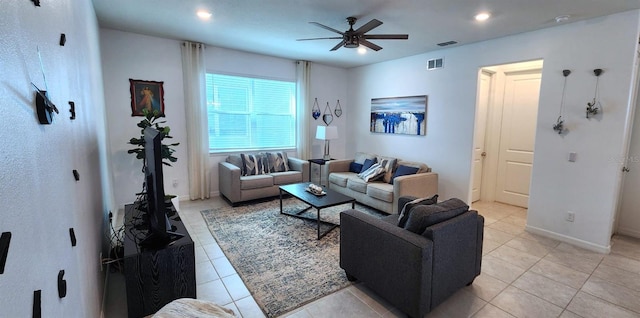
(146, 95)
(399, 115)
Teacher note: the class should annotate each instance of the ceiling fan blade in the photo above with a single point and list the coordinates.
(330, 38)
(369, 26)
(327, 28)
(386, 36)
(370, 45)
(338, 46)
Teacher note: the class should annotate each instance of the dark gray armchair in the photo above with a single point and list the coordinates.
(413, 271)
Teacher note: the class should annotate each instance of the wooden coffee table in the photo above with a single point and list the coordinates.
(331, 198)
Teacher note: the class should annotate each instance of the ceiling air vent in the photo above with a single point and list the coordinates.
(435, 64)
(447, 43)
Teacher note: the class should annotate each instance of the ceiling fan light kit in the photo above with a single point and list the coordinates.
(355, 38)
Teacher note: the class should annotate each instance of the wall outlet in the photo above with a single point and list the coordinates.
(175, 183)
(571, 216)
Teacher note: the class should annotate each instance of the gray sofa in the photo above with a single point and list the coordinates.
(380, 194)
(236, 187)
(413, 271)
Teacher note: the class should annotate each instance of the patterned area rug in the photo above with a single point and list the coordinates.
(278, 257)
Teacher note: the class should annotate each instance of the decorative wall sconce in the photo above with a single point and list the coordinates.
(338, 109)
(592, 109)
(315, 110)
(559, 125)
(327, 117)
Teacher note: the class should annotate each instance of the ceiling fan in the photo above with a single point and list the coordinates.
(353, 38)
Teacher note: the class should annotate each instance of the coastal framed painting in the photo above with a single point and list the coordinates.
(399, 115)
(147, 95)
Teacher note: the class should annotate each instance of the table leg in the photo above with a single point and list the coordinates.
(318, 223)
(280, 201)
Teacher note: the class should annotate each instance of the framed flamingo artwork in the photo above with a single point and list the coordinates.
(147, 95)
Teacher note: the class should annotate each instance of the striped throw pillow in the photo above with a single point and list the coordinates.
(374, 172)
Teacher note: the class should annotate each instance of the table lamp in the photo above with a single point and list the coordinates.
(326, 133)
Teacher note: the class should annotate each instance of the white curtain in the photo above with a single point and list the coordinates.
(303, 84)
(195, 106)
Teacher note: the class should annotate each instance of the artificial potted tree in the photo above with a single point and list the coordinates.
(152, 119)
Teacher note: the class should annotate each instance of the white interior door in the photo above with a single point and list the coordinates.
(520, 110)
(628, 217)
(479, 153)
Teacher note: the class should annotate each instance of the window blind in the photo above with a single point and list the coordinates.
(247, 113)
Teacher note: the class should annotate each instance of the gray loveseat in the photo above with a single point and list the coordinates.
(380, 194)
(413, 271)
(238, 185)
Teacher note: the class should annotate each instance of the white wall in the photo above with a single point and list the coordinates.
(587, 186)
(128, 55)
(133, 56)
(40, 198)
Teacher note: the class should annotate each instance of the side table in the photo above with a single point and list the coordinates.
(320, 162)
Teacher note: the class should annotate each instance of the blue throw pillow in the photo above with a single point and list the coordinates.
(403, 171)
(367, 164)
(355, 167)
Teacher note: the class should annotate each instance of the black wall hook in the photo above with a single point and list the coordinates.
(597, 71)
(566, 72)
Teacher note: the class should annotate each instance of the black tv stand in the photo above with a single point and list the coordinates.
(155, 276)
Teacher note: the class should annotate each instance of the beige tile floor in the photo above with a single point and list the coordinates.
(523, 275)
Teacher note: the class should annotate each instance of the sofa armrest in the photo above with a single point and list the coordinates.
(229, 181)
(340, 165)
(393, 262)
(300, 165)
(419, 185)
(457, 253)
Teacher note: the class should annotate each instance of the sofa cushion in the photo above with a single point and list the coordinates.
(421, 166)
(367, 164)
(403, 171)
(256, 182)
(286, 177)
(235, 160)
(278, 161)
(381, 191)
(357, 184)
(374, 172)
(423, 216)
(406, 209)
(340, 178)
(360, 157)
(389, 164)
(355, 167)
(254, 164)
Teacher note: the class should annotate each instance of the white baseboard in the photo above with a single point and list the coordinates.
(628, 232)
(570, 240)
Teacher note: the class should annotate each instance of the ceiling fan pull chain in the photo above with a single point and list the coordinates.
(338, 109)
(315, 110)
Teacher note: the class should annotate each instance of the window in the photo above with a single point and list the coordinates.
(250, 113)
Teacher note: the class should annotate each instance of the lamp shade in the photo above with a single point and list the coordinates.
(327, 132)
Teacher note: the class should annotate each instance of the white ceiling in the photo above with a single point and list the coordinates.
(271, 27)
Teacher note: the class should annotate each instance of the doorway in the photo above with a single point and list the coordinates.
(504, 136)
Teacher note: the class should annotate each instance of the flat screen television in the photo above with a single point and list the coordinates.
(159, 228)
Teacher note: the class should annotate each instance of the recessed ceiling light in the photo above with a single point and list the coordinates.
(204, 14)
(562, 18)
(483, 16)
(362, 50)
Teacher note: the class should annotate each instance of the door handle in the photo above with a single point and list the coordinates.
(625, 169)
(483, 154)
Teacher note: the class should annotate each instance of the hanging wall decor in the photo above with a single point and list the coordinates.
(327, 117)
(592, 108)
(399, 115)
(315, 110)
(146, 95)
(559, 125)
(338, 109)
